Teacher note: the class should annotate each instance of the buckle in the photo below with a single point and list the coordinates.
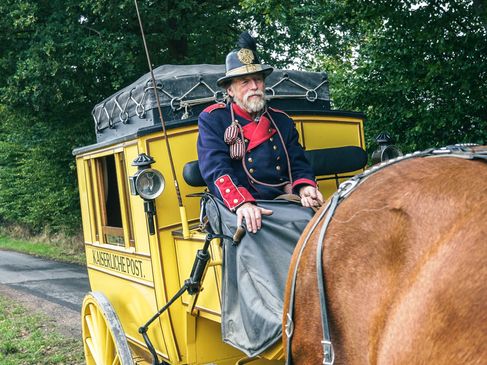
(289, 327)
(328, 353)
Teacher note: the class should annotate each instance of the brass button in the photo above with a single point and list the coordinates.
(246, 140)
(251, 171)
(227, 191)
(270, 130)
(274, 147)
(222, 180)
(278, 168)
(250, 159)
(235, 201)
(271, 139)
(278, 158)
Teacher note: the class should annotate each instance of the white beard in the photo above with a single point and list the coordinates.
(252, 106)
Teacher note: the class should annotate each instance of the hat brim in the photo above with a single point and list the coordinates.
(222, 81)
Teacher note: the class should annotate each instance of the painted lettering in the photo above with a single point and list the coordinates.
(124, 264)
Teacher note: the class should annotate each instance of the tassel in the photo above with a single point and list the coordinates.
(231, 134)
(237, 150)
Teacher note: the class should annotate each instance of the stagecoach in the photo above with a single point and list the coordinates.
(141, 238)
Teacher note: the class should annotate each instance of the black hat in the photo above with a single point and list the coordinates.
(243, 60)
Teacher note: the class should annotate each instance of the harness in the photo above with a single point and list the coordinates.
(465, 151)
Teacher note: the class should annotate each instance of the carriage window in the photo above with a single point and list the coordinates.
(113, 224)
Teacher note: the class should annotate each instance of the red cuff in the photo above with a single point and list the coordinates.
(233, 196)
(304, 182)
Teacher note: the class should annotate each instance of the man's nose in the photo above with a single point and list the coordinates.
(253, 85)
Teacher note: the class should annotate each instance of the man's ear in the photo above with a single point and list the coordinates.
(230, 91)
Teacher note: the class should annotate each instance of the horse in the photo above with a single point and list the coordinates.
(405, 269)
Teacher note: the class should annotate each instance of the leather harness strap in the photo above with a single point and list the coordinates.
(328, 353)
(289, 316)
(346, 188)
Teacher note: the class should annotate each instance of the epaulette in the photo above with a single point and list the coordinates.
(279, 111)
(212, 107)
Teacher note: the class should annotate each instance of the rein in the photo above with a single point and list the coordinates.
(465, 151)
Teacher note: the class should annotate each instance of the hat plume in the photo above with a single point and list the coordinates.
(247, 41)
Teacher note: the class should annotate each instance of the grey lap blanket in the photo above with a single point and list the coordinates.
(255, 272)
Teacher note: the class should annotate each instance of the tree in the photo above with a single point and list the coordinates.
(416, 68)
(60, 58)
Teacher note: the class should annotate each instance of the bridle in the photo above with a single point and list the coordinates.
(465, 151)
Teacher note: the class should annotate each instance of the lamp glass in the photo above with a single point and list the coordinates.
(150, 184)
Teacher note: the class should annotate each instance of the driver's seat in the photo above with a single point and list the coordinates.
(326, 161)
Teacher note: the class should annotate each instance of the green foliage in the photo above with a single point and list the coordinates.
(37, 177)
(61, 249)
(60, 58)
(27, 338)
(416, 68)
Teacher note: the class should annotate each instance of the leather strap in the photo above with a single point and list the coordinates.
(289, 316)
(328, 353)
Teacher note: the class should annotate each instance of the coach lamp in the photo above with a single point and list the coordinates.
(386, 150)
(148, 183)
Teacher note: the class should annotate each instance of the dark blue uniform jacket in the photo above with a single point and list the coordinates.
(265, 158)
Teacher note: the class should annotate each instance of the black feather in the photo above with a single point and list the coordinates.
(246, 41)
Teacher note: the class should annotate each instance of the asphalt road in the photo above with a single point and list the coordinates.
(58, 283)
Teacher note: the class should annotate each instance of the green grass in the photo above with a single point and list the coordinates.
(67, 251)
(30, 339)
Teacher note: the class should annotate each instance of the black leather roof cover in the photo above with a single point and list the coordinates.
(185, 90)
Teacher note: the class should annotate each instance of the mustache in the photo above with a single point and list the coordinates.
(254, 93)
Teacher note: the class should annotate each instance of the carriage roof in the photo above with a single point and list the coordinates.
(185, 90)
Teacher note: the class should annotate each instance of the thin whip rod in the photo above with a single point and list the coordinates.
(171, 162)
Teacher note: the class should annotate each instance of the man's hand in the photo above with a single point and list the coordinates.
(253, 216)
(310, 196)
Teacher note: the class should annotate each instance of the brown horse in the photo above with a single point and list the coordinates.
(405, 267)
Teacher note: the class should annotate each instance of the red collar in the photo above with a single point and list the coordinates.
(255, 133)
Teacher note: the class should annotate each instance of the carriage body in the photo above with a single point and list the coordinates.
(136, 272)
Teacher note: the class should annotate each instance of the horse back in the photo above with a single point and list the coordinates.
(404, 266)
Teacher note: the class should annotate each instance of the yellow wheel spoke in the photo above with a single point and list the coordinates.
(94, 341)
(94, 353)
(91, 340)
(89, 324)
(116, 360)
(99, 323)
(100, 332)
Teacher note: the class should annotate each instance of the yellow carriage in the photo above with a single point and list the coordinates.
(140, 246)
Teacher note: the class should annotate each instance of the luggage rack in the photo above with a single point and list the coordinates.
(184, 91)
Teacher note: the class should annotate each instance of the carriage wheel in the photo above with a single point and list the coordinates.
(103, 336)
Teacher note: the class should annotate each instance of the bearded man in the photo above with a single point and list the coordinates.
(247, 150)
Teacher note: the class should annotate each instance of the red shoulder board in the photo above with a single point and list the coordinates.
(280, 111)
(210, 108)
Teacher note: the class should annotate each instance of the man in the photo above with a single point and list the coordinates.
(249, 151)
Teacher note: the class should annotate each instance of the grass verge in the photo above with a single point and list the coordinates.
(29, 339)
(65, 251)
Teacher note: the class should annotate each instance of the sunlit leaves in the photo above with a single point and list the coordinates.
(416, 68)
(57, 60)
